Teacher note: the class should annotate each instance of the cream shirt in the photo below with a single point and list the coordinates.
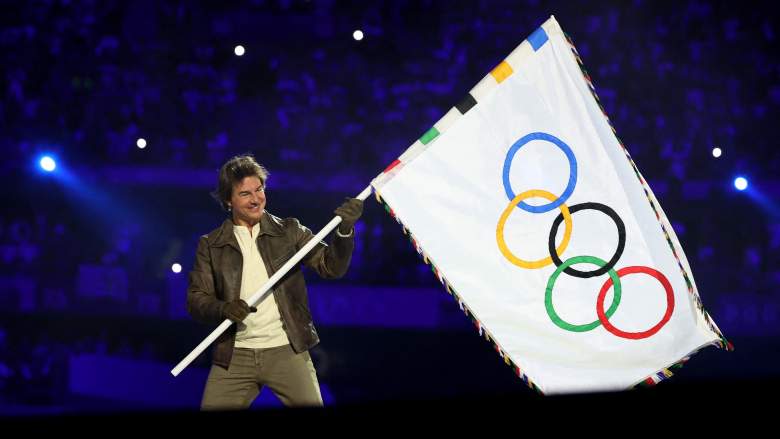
(261, 329)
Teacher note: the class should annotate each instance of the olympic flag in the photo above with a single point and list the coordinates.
(536, 219)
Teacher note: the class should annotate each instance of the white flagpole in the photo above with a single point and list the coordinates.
(266, 287)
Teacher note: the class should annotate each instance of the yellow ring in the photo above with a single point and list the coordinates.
(504, 216)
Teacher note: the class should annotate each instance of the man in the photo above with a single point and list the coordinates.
(268, 345)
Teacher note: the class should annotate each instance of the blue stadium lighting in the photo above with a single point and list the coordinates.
(740, 183)
(47, 164)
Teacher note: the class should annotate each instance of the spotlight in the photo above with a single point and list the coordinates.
(239, 50)
(47, 163)
(357, 35)
(716, 152)
(740, 183)
(176, 268)
(141, 143)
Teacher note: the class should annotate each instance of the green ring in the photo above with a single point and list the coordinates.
(551, 283)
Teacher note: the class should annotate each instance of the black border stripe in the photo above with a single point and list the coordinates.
(466, 103)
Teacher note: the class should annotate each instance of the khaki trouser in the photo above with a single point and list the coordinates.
(290, 376)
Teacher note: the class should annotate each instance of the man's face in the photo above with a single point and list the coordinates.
(248, 201)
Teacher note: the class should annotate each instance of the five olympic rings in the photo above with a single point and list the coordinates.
(565, 266)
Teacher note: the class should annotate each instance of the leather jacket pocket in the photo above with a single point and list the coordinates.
(277, 262)
(304, 311)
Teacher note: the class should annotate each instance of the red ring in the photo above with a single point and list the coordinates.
(636, 335)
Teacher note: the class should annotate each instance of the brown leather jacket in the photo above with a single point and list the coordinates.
(216, 278)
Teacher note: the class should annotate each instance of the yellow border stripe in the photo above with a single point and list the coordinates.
(502, 71)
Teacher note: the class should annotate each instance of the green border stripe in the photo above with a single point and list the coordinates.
(429, 135)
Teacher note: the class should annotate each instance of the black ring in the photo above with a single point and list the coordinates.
(621, 240)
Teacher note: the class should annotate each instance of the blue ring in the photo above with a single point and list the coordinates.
(572, 172)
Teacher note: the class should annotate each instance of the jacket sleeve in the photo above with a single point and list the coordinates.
(202, 302)
(328, 261)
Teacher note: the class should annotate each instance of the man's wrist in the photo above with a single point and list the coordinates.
(345, 235)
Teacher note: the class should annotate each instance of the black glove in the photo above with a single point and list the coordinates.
(237, 310)
(349, 212)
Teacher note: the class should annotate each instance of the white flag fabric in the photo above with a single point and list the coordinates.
(534, 216)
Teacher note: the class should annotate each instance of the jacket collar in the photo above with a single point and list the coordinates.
(269, 225)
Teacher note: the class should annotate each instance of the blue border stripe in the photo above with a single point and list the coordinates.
(538, 38)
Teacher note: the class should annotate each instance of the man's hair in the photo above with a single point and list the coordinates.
(232, 172)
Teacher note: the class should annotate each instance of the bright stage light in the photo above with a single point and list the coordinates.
(48, 164)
